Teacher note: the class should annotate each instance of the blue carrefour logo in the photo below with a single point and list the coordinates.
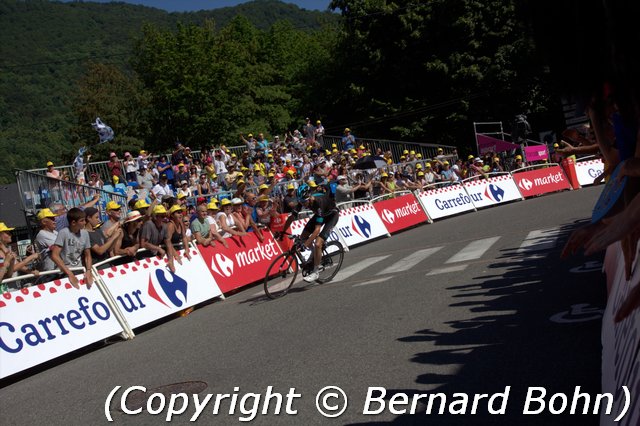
(497, 193)
(171, 288)
(361, 226)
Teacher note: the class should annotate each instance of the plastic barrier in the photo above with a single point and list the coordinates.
(588, 170)
(620, 342)
(490, 192)
(145, 290)
(532, 181)
(400, 212)
(445, 200)
(356, 225)
(43, 322)
(244, 262)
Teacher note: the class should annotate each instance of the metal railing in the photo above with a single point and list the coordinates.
(38, 191)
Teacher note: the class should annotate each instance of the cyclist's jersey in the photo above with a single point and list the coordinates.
(322, 206)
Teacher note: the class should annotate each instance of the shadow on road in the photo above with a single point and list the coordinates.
(509, 340)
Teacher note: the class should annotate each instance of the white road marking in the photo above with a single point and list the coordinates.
(455, 268)
(541, 239)
(378, 280)
(409, 261)
(354, 269)
(473, 250)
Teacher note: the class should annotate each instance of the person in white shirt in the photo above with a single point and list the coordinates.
(162, 188)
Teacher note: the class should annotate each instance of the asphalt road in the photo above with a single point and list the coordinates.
(481, 302)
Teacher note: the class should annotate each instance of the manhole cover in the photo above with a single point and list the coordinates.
(138, 399)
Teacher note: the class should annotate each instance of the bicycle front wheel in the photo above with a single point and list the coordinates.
(281, 275)
(332, 256)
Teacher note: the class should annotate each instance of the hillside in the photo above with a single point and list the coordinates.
(45, 47)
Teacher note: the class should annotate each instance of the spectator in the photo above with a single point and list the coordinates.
(183, 173)
(114, 167)
(179, 155)
(145, 179)
(519, 163)
(154, 234)
(95, 181)
(143, 160)
(46, 238)
(348, 140)
(344, 191)
(52, 172)
(177, 232)
(290, 200)
(101, 246)
(113, 212)
(7, 258)
(204, 188)
(131, 167)
(128, 243)
(201, 228)
(447, 174)
(164, 168)
(162, 189)
(73, 248)
(319, 132)
(227, 222)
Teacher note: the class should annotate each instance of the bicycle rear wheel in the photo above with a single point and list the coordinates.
(332, 256)
(281, 275)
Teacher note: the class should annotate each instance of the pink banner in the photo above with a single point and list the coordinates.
(489, 144)
(536, 153)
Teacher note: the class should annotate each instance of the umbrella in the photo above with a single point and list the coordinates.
(370, 162)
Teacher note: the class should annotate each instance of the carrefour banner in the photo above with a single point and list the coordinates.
(588, 170)
(146, 290)
(356, 225)
(244, 262)
(400, 212)
(492, 191)
(446, 201)
(541, 181)
(43, 322)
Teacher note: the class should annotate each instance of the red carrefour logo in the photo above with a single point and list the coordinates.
(540, 181)
(388, 216)
(222, 265)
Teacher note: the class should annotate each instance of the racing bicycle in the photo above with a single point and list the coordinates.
(284, 269)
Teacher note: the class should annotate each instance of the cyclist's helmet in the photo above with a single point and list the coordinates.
(303, 192)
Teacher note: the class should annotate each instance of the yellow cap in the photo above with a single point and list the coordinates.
(240, 181)
(333, 145)
(318, 122)
(440, 150)
(347, 130)
(250, 135)
(213, 206)
(312, 183)
(112, 205)
(418, 155)
(49, 163)
(290, 186)
(263, 186)
(271, 174)
(140, 204)
(116, 179)
(225, 202)
(263, 198)
(45, 213)
(175, 208)
(418, 166)
(428, 165)
(389, 161)
(384, 175)
(5, 228)
(446, 163)
(159, 210)
(405, 152)
(291, 172)
(182, 195)
(413, 152)
(420, 173)
(361, 147)
(518, 157)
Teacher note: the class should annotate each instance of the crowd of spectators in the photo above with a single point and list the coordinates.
(214, 194)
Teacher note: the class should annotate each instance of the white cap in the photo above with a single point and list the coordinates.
(341, 177)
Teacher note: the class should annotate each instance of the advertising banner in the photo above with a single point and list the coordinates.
(446, 201)
(588, 170)
(541, 181)
(244, 262)
(492, 191)
(400, 213)
(489, 144)
(355, 226)
(43, 322)
(145, 290)
(536, 153)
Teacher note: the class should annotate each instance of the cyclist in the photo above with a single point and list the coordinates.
(325, 217)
